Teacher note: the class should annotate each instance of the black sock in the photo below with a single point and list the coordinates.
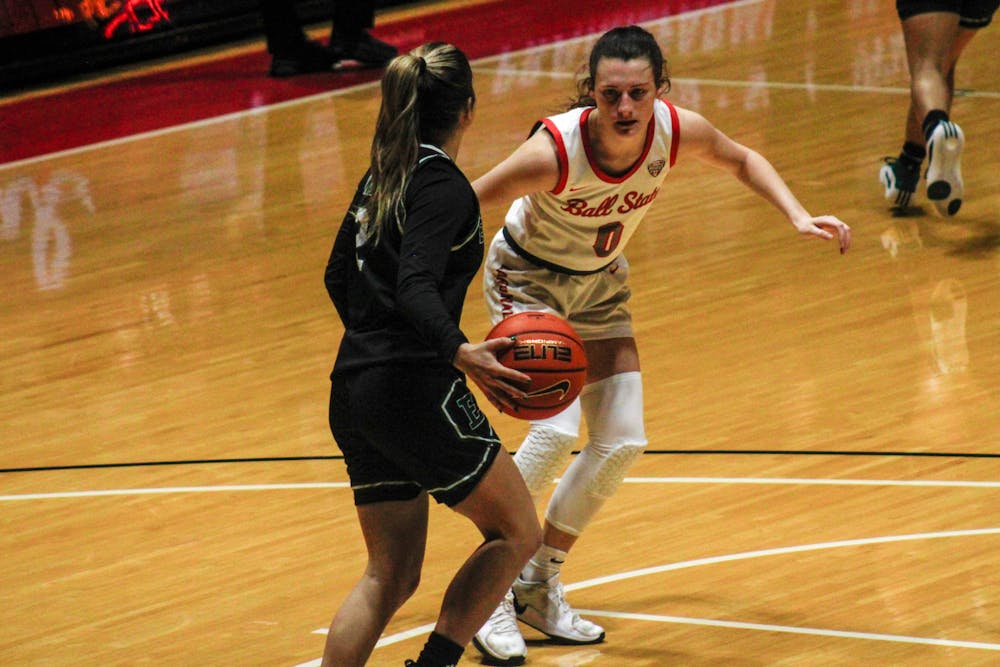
(933, 117)
(439, 651)
(913, 152)
(912, 156)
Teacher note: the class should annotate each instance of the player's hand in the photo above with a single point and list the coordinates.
(826, 227)
(479, 362)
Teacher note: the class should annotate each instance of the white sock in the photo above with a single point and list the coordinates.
(546, 563)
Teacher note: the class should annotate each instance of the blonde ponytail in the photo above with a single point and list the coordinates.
(424, 93)
(397, 139)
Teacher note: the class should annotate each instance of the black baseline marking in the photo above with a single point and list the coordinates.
(335, 457)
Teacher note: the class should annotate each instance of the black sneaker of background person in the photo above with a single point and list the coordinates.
(308, 58)
(366, 50)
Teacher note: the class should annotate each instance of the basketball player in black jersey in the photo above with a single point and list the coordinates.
(400, 409)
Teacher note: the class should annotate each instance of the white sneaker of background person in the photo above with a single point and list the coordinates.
(944, 168)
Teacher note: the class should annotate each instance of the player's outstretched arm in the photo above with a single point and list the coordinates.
(532, 167)
(702, 140)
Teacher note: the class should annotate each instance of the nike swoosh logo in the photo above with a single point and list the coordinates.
(561, 387)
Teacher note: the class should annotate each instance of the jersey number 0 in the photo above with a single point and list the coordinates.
(608, 237)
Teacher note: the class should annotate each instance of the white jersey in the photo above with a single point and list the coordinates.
(584, 223)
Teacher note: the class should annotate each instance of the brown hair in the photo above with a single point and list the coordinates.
(424, 94)
(627, 43)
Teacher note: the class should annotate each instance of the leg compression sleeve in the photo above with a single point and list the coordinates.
(613, 408)
(547, 447)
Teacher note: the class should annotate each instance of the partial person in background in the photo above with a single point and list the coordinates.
(292, 53)
(580, 186)
(936, 32)
(400, 408)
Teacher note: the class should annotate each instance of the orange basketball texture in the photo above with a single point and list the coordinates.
(551, 353)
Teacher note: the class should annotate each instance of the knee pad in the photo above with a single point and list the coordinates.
(613, 408)
(547, 447)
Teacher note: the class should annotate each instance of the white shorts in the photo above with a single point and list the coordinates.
(595, 304)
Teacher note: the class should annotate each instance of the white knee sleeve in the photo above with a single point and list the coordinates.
(613, 408)
(547, 446)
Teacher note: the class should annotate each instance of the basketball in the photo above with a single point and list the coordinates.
(551, 353)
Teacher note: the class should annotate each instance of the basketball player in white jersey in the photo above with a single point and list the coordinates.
(580, 185)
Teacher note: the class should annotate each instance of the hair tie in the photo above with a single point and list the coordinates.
(423, 64)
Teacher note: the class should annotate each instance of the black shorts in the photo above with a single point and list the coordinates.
(972, 13)
(404, 429)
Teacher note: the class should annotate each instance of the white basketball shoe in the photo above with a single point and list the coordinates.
(944, 167)
(543, 606)
(499, 640)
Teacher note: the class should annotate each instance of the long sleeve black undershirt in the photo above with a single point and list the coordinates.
(405, 302)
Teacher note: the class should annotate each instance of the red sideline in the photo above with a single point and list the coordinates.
(60, 121)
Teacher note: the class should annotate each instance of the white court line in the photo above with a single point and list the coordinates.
(775, 85)
(524, 73)
(735, 83)
(204, 122)
(332, 93)
(845, 634)
(633, 480)
(484, 70)
(384, 641)
(815, 482)
(628, 480)
(831, 87)
(905, 639)
(408, 634)
(175, 489)
(779, 551)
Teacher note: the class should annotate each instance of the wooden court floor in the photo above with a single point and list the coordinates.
(822, 485)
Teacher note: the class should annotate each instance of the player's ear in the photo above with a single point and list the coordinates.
(470, 111)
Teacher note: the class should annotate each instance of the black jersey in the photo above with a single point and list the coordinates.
(401, 298)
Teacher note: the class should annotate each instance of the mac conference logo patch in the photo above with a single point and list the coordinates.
(656, 167)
